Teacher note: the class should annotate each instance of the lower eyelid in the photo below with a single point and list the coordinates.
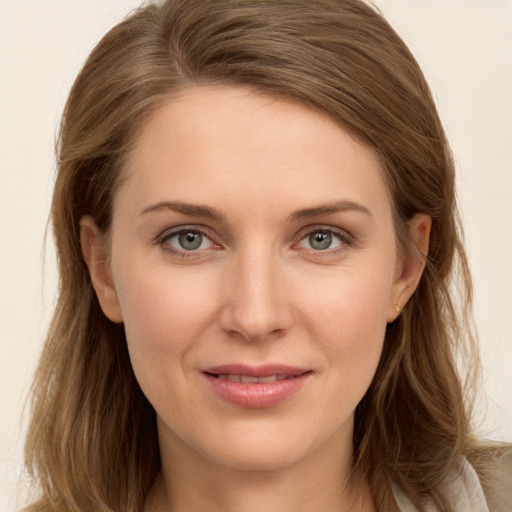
(343, 238)
(166, 236)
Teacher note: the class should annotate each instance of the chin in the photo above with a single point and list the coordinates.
(258, 458)
(263, 449)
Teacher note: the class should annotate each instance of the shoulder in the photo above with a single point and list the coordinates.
(463, 489)
(497, 480)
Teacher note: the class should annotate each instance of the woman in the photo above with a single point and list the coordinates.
(256, 229)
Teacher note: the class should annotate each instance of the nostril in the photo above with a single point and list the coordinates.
(256, 309)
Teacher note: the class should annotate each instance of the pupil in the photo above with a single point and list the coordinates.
(320, 241)
(190, 240)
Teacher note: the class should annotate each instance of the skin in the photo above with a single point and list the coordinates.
(257, 290)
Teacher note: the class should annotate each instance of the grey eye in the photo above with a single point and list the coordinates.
(320, 240)
(187, 241)
(190, 240)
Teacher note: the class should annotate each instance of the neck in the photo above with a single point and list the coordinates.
(318, 482)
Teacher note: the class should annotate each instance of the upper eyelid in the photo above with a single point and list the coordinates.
(345, 238)
(307, 230)
(162, 241)
(169, 232)
(212, 236)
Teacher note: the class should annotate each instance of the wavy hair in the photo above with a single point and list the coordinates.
(92, 441)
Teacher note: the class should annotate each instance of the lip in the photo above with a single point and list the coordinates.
(257, 395)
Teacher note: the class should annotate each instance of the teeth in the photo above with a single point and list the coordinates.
(249, 379)
(270, 378)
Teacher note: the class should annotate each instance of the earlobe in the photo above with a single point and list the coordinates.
(95, 256)
(410, 269)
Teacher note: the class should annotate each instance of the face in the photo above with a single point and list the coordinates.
(253, 263)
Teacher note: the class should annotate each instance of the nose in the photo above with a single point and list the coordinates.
(256, 306)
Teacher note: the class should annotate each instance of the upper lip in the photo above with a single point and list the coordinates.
(256, 371)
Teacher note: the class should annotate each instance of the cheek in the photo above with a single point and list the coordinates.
(163, 314)
(350, 303)
(159, 304)
(349, 322)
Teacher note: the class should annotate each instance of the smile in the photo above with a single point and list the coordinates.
(256, 387)
(249, 379)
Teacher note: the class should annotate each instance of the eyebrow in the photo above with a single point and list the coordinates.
(343, 205)
(196, 210)
(193, 210)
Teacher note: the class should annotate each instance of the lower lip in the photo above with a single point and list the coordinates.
(257, 395)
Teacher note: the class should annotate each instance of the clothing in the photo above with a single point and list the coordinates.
(463, 492)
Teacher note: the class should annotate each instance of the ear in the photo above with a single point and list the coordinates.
(96, 256)
(409, 269)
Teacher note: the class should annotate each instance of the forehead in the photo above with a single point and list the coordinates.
(221, 143)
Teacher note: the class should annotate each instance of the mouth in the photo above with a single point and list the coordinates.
(249, 379)
(256, 387)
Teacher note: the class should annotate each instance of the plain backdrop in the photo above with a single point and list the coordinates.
(465, 49)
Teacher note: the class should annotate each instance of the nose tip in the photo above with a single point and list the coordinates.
(256, 307)
(254, 330)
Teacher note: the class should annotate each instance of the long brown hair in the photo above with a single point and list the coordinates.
(92, 442)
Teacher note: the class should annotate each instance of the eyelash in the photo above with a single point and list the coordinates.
(164, 238)
(345, 240)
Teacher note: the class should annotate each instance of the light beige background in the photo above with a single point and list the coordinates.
(465, 49)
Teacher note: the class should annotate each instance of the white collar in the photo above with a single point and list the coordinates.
(463, 492)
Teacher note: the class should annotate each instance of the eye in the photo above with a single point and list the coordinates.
(325, 240)
(321, 240)
(188, 240)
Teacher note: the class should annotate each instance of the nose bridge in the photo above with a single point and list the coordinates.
(256, 304)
